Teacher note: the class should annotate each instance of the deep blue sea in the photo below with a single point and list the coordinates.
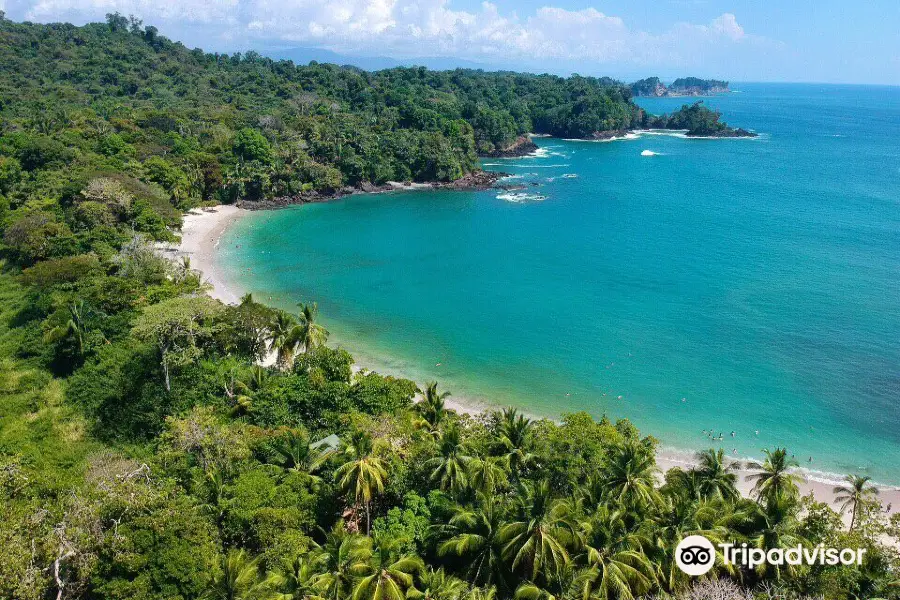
(728, 285)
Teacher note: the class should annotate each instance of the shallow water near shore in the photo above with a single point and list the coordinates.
(728, 285)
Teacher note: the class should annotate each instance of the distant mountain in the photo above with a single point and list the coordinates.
(683, 86)
(303, 56)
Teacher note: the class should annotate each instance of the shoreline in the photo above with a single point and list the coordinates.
(202, 231)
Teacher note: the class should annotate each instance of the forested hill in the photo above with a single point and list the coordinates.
(120, 96)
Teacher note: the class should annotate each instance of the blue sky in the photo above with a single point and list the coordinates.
(741, 40)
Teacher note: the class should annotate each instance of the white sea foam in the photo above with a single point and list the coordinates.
(532, 166)
(520, 197)
(649, 153)
(570, 175)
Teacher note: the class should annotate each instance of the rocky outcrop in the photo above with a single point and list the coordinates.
(608, 134)
(523, 146)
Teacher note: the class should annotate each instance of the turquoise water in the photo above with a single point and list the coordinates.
(732, 285)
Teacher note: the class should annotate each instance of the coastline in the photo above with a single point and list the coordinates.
(200, 236)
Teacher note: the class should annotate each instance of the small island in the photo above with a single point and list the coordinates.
(698, 120)
(683, 86)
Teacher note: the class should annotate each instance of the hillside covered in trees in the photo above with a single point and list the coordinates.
(146, 454)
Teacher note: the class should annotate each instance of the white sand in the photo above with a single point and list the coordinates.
(202, 231)
(200, 235)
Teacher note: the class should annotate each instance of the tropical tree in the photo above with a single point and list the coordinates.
(311, 334)
(390, 575)
(629, 476)
(682, 516)
(363, 475)
(241, 578)
(515, 439)
(431, 408)
(616, 564)
(74, 328)
(450, 466)
(474, 534)
(855, 493)
(715, 475)
(294, 453)
(435, 584)
(487, 474)
(178, 328)
(297, 578)
(536, 542)
(777, 527)
(284, 338)
(775, 475)
(341, 561)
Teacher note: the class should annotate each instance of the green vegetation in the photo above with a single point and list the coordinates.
(145, 454)
(698, 120)
(683, 86)
(695, 85)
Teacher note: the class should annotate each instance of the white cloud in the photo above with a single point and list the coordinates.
(410, 28)
(727, 25)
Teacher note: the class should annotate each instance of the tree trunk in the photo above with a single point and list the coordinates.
(368, 520)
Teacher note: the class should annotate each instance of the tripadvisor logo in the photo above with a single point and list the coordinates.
(695, 555)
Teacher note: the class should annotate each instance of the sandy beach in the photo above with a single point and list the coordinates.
(200, 236)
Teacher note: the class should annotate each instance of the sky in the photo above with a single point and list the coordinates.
(835, 41)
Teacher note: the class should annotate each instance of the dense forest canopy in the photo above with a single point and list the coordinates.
(145, 451)
(125, 95)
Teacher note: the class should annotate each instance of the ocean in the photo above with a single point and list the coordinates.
(689, 285)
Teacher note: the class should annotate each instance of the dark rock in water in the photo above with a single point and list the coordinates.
(728, 132)
(523, 146)
(608, 135)
(477, 180)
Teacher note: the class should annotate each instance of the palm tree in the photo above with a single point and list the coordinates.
(774, 477)
(685, 485)
(449, 468)
(284, 338)
(296, 580)
(515, 438)
(777, 527)
(716, 475)
(363, 474)
(296, 454)
(616, 564)
(390, 575)
(311, 334)
(474, 533)
(432, 407)
(681, 516)
(536, 543)
(486, 474)
(629, 475)
(481, 593)
(74, 328)
(342, 559)
(437, 585)
(241, 579)
(853, 494)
